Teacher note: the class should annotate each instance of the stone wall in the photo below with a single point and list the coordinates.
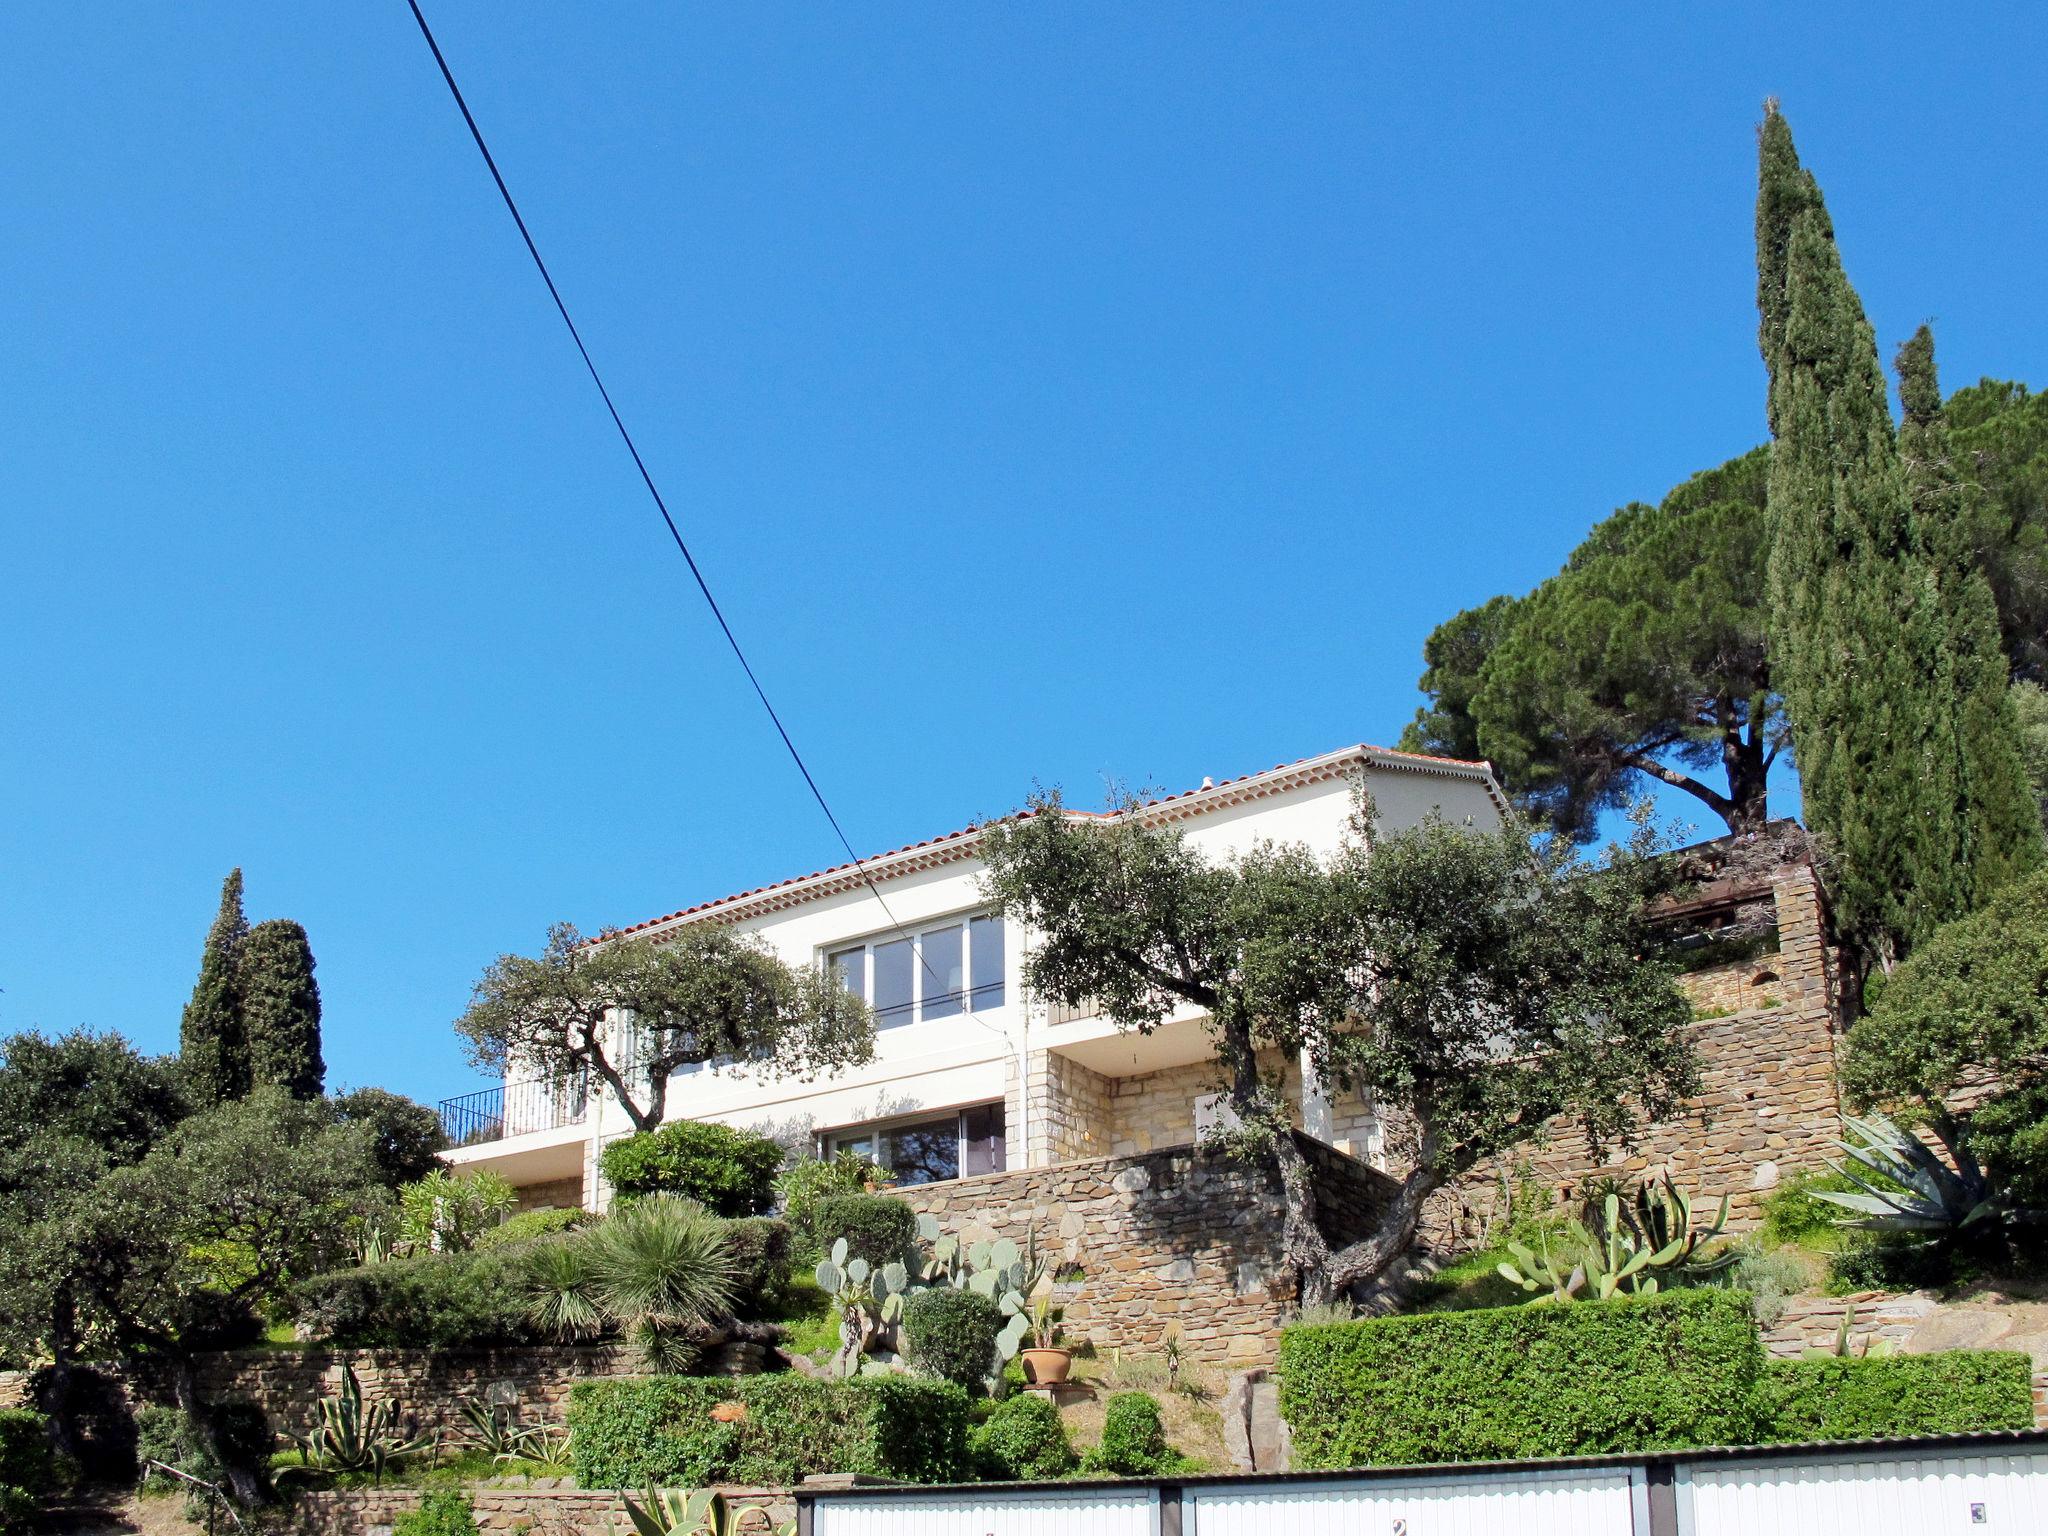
(1767, 1105)
(544, 1507)
(426, 1387)
(1067, 1111)
(1174, 1241)
(556, 1194)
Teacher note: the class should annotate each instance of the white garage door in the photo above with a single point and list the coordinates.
(1913, 1495)
(1089, 1512)
(1590, 1502)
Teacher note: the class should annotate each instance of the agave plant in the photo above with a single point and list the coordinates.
(491, 1425)
(1535, 1268)
(1929, 1193)
(350, 1434)
(1628, 1248)
(706, 1512)
(660, 1267)
(869, 1300)
(552, 1448)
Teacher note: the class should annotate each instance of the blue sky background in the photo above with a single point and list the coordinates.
(1050, 392)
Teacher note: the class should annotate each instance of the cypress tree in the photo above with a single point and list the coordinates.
(1855, 637)
(1998, 828)
(281, 1009)
(210, 1042)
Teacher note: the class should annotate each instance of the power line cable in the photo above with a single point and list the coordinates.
(647, 479)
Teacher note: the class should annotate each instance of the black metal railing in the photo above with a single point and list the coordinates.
(515, 1109)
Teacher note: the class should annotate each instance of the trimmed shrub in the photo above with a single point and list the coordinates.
(953, 1335)
(1664, 1372)
(529, 1225)
(442, 1512)
(660, 1430)
(1022, 1441)
(27, 1468)
(878, 1228)
(727, 1171)
(1133, 1440)
(435, 1301)
(805, 1184)
(1849, 1398)
(759, 1249)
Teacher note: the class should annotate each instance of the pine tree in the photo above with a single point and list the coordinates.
(1999, 834)
(210, 1041)
(280, 1007)
(1852, 611)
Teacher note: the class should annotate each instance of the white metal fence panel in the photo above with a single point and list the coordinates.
(1592, 1501)
(1925, 1494)
(1025, 1512)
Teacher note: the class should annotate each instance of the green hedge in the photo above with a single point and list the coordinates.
(27, 1469)
(878, 1228)
(1837, 1398)
(952, 1335)
(1022, 1441)
(435, 1301)
(659, 1429)
(1629, 1375)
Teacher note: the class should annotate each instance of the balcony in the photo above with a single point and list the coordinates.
(515, 1109)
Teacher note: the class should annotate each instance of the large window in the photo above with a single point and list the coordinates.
(936, 973)
(957, 1144)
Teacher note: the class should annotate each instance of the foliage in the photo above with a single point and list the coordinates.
(704, 1512)
(659, 1268)
(446, 1212)
(759, 1248)
(1795, 1213)
(952, 1335)
(199, 1444)
(1634, 1248)
(211, 1047)
(999, 1270)
(280, 1004)
(877, 1228)
(868, 1298)
(701, 994)
(27, 1469)
(528, 1225)
(1023, 1441)
(1857, 1398)
(1878, 1263)
(353, 1434)
(661, 1430)
(806, 1184)
(1473, 988)
(434, 1301)
(440, 1512)
(1769, 1277)
(1643, 659)
(406, 1137)
(1916, 1190)
(561, 1291)
(1631, 1374)
(95, 1089)
(729, 1172)
(2030, 711)
(1874, 615)
(1133, 1441)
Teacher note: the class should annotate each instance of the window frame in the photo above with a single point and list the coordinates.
(975, 994)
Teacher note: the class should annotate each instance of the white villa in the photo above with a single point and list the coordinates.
(971, 1076)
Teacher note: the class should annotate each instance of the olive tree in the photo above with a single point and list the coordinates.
(631, 1011)
(1473, 986)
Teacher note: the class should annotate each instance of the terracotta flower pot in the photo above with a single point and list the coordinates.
(1047, 1367)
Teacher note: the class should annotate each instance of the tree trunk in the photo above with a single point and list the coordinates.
(1748, 805)
(245, 1484)
(1371, 1257)
(1302, 1244)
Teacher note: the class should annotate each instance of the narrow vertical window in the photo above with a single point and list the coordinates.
(944, 972)
(849, 967)
(985, 953)
(895, 969)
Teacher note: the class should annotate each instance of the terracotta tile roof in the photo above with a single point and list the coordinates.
(947, 846)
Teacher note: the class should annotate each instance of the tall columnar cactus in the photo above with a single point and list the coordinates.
(869, 1300)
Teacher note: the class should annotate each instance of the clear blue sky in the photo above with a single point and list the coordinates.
(1050, 392)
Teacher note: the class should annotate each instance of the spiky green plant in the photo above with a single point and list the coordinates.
(491, 1425)
(704, 1512)
(1628, 1248)
(352, 1434)
(869, 1300)
(999, 1270)
(659, 1267)
(561, 1295)
(1922, 1191)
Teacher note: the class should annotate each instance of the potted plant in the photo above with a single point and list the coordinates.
(1046, 1360)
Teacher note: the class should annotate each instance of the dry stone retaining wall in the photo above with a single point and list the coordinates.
(1176, 1241)
(544, 1507)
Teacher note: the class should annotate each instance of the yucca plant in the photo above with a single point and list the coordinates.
(1922, 1191)
(561, 1293)
(658, 1267)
